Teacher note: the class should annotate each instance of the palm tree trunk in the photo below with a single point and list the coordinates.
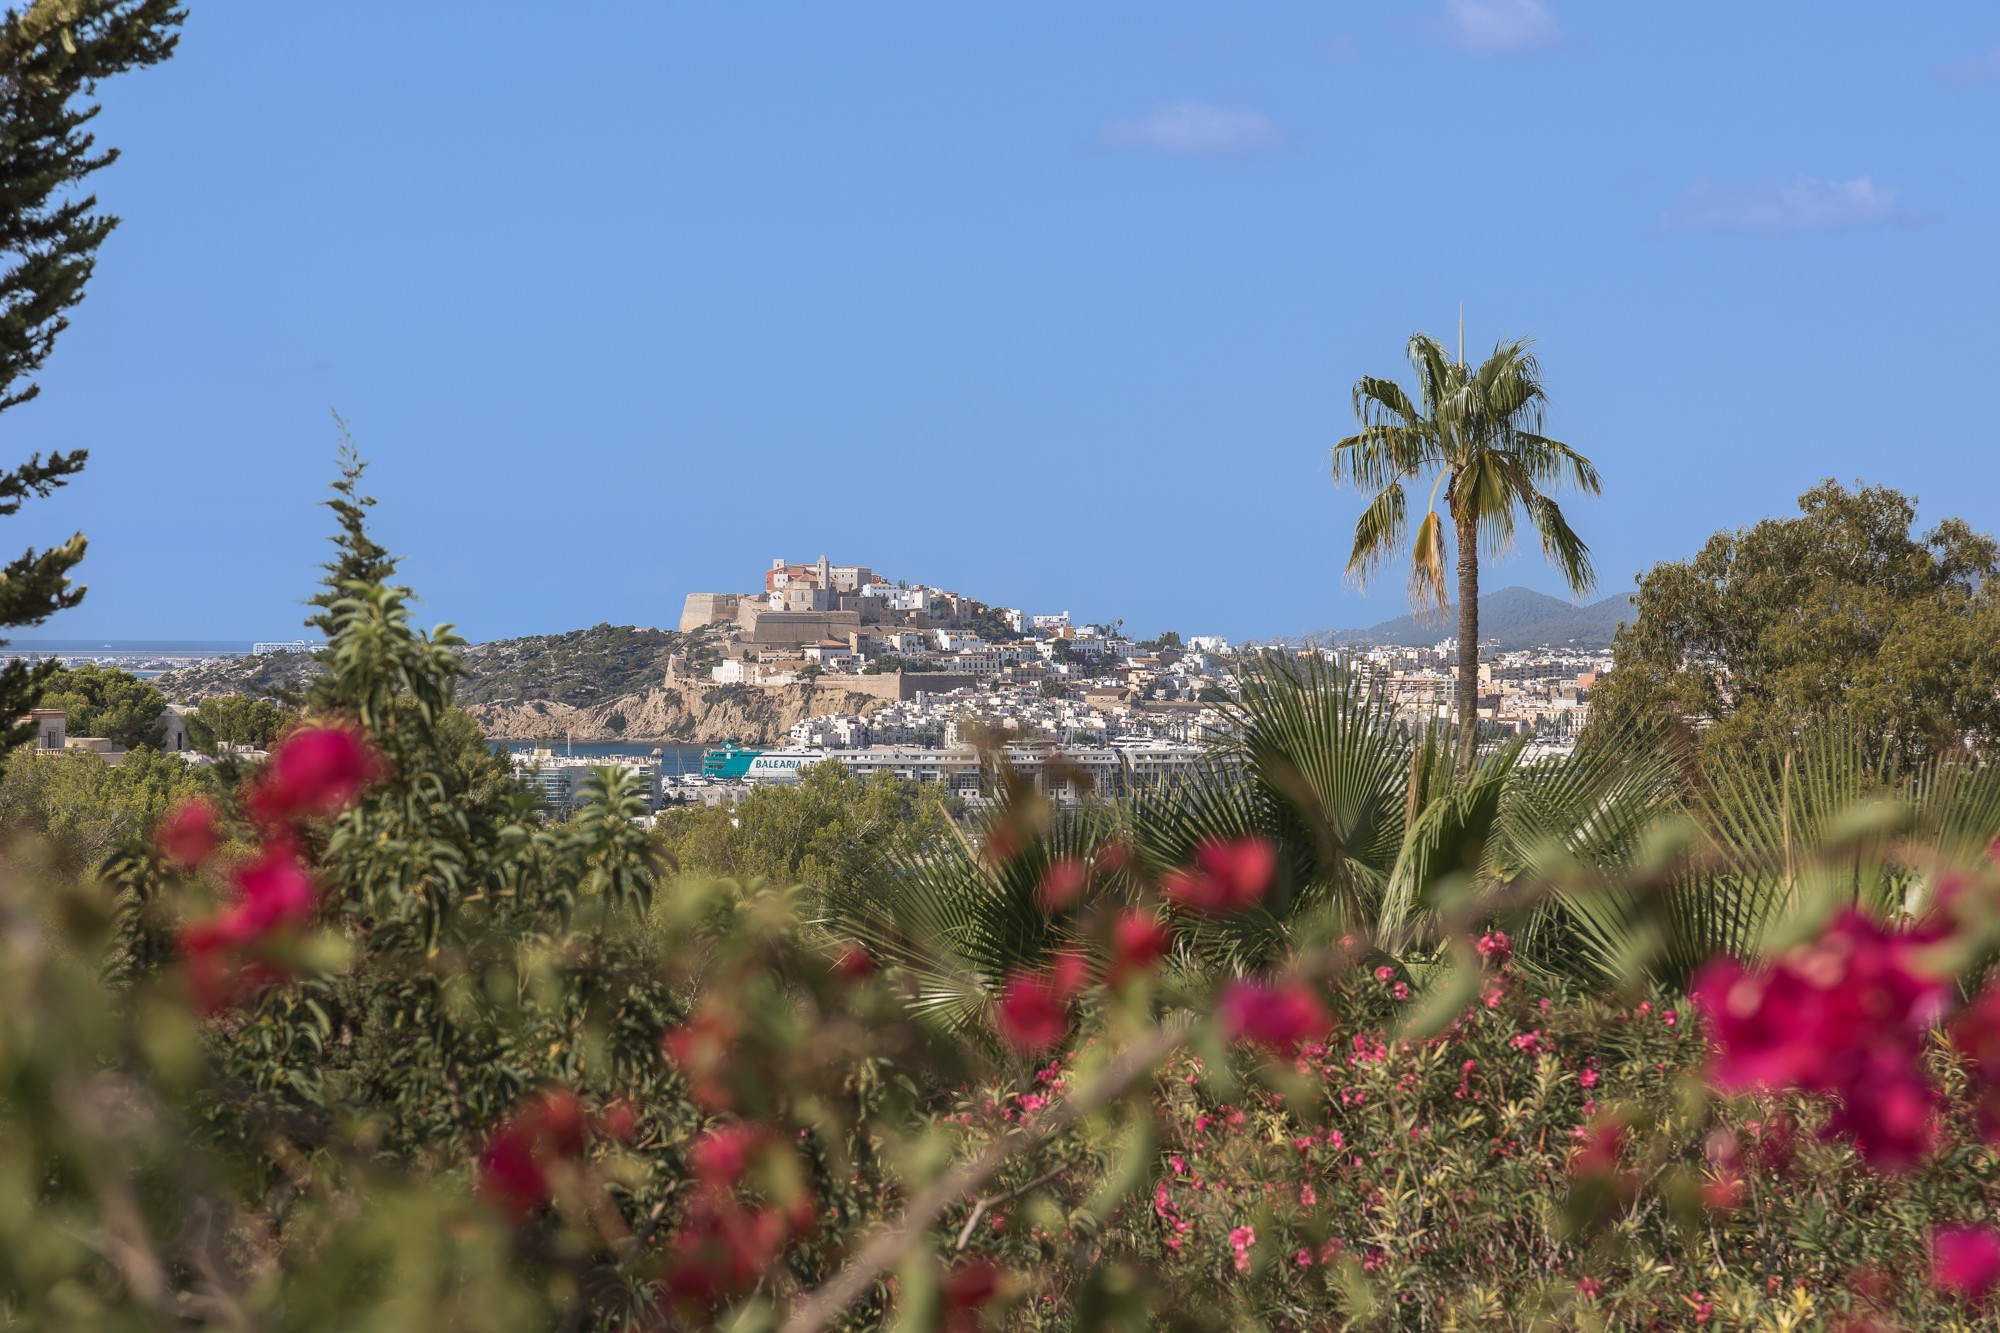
(1468, 639)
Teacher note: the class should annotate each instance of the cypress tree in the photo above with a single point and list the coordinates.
(52, 55)
(358, 558)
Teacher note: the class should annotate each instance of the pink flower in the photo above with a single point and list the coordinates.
(1139, 940)
(1844, 1015)
(1307, 1196)
(1587, 1079)
(1282, 1018)
(315, 771)
(189, 834)
(1240, 1240)
(719, 1157)
(1589, 1288)
(513, 1168)
(1603, 1142)
(1495, 947)
(1061, 884)
(1227, 877)
(274, 891)
(1965, 1260)
(1030, 1015)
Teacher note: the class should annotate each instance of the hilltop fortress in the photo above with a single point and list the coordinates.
(810, 604)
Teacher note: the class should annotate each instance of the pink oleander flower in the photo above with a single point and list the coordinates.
(513, 1168)
(1282, 1018)
(720, 1157)
(1033, 1010)
(1061, 884)
(189, 834)
(1139, 940)
(1975, 1032)
(1227, 877)
(1240, 1240)
(1495, 947)
(1965, 1260)
(316, 770)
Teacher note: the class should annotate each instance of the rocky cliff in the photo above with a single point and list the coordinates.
(686, 713)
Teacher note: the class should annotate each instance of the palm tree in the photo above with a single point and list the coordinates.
(1478, 430)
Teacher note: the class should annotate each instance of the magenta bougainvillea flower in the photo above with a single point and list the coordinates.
(1965, 1260)
(1033, 1010)
(315, 771)
(1227, 877)
(1139, 940)
(190, 833)
(1844, 1016)
(1279, 1017)
(1062, 884)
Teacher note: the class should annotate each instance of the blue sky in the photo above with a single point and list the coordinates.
(1060, 307)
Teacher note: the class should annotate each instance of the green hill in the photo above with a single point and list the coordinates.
(1517, 617)
(582, 667)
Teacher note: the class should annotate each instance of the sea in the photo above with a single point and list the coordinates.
(141, 657)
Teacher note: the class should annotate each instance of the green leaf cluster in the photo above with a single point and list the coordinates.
(1844, 612)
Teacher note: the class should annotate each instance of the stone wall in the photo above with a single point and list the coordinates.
(708, 608)
(790, 629)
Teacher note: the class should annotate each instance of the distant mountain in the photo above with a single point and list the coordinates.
(1518, 617)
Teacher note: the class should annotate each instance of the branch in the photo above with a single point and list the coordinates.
(880, 1254)
(980, 1205)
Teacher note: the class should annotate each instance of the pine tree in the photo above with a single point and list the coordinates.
(52, 56)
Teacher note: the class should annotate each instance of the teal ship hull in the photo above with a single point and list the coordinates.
(727, 763)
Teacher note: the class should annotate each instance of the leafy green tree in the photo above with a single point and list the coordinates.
(1478, 429)
(830, 831)
(52, 56)
(237, 719)
(104, 701)
(87, 808)
(1840, 613)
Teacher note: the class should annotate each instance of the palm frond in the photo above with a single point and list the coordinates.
(1564, 549)
(1377, 533)
(1428, 589)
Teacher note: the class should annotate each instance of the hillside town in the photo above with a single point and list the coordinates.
(953, 678)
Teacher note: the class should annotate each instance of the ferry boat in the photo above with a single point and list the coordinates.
(727, 762)
(782, 765)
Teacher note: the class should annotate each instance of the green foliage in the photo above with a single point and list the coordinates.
(830, 831)
(582, 667)
(52, 57)
(86, 808)
(237, 719)
(1840, 613)
(104, 701)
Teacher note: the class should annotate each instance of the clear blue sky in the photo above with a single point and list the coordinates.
(1059, 306)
